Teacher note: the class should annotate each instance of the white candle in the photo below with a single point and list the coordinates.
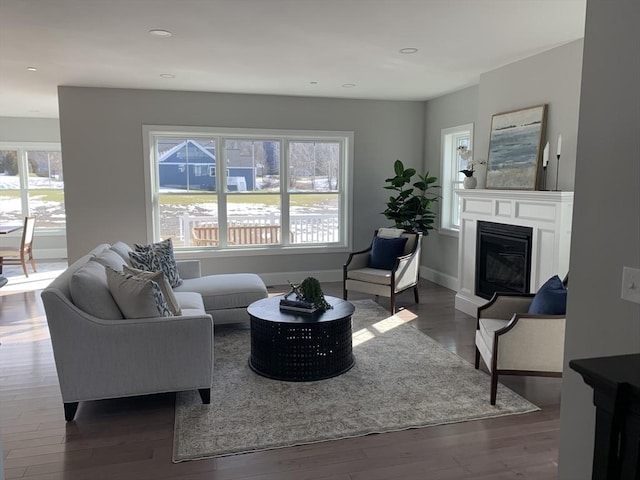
(545, 155)
(559, 145)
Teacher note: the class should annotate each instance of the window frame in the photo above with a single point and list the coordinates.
(23, 174)
(345, 187)
(451, 177)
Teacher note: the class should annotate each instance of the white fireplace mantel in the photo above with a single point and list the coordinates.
(547, 213)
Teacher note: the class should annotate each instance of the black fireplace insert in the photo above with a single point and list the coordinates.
(503, 259)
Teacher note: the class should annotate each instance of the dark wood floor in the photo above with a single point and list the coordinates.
(132, 438)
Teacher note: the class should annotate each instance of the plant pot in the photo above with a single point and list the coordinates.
(470, 182)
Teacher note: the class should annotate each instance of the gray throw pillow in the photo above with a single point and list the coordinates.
(109, 258)
(90, 292)
(123, 250)
(137, 297)
(163, 283)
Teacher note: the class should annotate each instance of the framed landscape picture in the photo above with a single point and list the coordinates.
(515, 148)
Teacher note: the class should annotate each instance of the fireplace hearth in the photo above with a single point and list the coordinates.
(503, 259)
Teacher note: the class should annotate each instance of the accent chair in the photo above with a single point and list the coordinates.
(23, 253)
(386, 268)
(512, 341)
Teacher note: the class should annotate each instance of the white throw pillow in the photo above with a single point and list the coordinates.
(385, 232)
(137, 297)
(162, 282)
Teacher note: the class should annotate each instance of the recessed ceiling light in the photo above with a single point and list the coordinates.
(167, 75)
(32, 69)
(348, 85)
(408, 51)
(156, 32)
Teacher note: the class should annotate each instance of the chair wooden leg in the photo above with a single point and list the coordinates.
(416, 295)
(392, 302)
(477, 364)
(494, 387)
(24, 268)
(205, 395)
(70, 409)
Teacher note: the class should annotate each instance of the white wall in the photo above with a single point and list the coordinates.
(101, 132)
(551, 77)
(17, 129)
(606, 218)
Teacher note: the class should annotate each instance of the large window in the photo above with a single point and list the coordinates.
(238, 189)
(452, 163)
(32, 183)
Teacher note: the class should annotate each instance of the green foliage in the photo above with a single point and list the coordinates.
(410, 208)
(312, 292)
(34, 167)
(10, 163)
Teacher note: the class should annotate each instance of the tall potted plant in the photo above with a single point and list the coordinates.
(410, 207)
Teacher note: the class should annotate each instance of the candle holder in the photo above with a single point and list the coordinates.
(557, 171)
(544, 177)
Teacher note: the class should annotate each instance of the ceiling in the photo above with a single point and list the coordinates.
(283, 47)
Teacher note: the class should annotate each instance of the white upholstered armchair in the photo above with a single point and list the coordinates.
(400, 274)
(514, 342)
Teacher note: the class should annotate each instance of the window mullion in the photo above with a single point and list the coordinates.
(221, 192)
(23, 172)
(285, 203)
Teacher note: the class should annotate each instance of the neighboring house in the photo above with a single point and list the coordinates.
(190, 166)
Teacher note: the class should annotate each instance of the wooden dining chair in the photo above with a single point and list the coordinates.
(20, 255)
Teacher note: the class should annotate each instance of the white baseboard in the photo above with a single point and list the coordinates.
(440, 278)
(49, 253)
(282, 278)
(468, 304)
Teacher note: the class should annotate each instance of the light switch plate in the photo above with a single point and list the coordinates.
(631, 284)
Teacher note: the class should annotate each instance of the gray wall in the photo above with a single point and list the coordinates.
(447, 111)
(551, 77)
(101, 132)
(606, 222)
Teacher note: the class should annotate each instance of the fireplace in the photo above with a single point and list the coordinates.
(547, 213)
(503, 258)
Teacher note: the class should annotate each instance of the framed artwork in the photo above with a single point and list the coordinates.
(515, 149)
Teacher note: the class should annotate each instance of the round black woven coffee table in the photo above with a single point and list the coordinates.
(300, 347)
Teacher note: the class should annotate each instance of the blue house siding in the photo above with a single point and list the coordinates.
(188, 166)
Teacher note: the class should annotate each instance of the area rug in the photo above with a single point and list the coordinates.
(402, 379)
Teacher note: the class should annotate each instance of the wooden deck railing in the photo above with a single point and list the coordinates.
(314, 228)
(237, 235)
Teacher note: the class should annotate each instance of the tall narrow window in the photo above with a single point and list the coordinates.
(32, 183)
(452, 163)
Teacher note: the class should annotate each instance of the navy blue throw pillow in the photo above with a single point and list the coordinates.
(384, 252)
(551, 299)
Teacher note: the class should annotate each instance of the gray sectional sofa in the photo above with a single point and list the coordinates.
(100, 354)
